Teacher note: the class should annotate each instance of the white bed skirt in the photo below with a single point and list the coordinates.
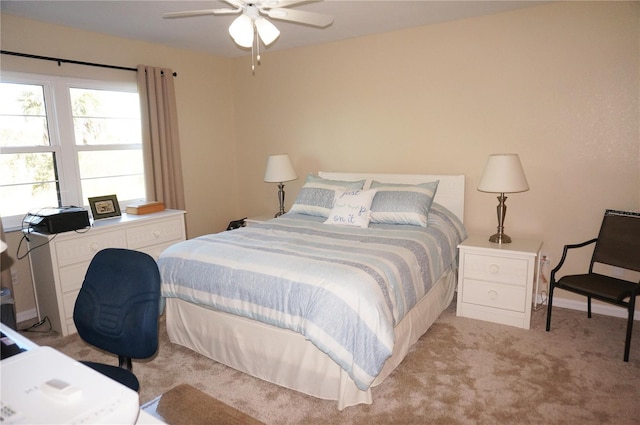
(286, 358)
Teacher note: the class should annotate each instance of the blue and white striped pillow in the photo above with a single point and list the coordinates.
(316, 196)
(402, 203)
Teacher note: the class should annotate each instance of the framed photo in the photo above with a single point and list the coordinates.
(104, 207)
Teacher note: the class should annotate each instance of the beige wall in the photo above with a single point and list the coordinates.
(558, 84)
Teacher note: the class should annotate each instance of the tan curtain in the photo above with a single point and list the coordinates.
(8, 310)
(160, 140)
(5, 264)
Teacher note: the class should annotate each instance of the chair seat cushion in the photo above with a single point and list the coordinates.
(124, 376)
(600, 286)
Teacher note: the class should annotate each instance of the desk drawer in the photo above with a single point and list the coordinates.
(69, 301)
(496, 269)
(71, 277)
(158, 232)
(83, 248)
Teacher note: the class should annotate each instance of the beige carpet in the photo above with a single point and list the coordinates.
(462, 371)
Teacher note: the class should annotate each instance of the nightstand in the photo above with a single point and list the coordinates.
(258, 219)
(495, 281)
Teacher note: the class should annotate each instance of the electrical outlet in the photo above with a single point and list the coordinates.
(14, 277)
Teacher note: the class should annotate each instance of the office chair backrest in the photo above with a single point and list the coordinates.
(118, 305)
(619, 240)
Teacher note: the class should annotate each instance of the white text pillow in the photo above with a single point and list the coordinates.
(351, 207)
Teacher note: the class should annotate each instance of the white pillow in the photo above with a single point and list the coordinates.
(402, 203)
(351, 207)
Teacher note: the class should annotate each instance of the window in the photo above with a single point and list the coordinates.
(65, 140)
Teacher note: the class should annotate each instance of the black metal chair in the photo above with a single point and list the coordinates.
(117, 310)
(617, 245)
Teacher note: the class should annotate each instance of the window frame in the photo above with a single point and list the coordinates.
(60, 124)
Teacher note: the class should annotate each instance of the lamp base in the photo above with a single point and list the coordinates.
(500, 238)
(501, 210)
(280, 199)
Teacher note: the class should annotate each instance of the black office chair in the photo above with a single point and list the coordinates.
(117, 310)
(618, 245)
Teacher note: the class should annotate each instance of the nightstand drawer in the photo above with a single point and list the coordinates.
(496, 269)
(506, 297)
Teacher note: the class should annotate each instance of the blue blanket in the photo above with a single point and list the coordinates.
(343, 288)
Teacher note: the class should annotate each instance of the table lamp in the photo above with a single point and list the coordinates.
(279, 170)
(503, 173)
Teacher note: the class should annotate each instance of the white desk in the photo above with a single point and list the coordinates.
(88, 397)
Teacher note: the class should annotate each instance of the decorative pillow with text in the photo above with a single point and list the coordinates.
(352, 207)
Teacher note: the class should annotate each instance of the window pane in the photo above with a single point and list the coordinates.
(29, 181)
(23, 120)
(115, 171)
(105, 117)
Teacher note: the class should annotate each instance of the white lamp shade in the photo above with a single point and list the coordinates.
(241, 30)
(503, 174)
(267, 31)
(279, 169)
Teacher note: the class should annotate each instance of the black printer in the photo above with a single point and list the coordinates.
(57, 220)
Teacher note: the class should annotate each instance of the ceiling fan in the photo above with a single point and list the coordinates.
(252, 26)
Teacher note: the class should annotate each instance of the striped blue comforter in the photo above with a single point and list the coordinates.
(343, 288)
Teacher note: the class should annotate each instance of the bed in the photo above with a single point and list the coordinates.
(339, 305)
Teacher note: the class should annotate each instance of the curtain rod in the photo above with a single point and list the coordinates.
(60, 61)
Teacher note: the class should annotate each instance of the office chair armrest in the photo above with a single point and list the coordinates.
(564, 255)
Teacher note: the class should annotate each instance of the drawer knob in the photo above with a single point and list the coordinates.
(493, 295)
(494, 269)
(95, 247)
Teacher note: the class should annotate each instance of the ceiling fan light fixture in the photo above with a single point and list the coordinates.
(251, 28)
(241, 30)
(267, 31)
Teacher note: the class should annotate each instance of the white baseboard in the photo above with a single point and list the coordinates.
(23, 316)
(596, 308)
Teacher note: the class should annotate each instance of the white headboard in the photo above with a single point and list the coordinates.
(450, 193)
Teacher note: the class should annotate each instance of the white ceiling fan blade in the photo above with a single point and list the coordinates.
(270, 4)
(203, 12)
(266, 30)
(241, 30)
(234, 3)
(301, 17)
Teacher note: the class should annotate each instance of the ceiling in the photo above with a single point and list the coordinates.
(142, 19)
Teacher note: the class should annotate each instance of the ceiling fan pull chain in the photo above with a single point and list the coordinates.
(253, 63)
(258, 48)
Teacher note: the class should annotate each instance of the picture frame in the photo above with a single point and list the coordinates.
(104, 207)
